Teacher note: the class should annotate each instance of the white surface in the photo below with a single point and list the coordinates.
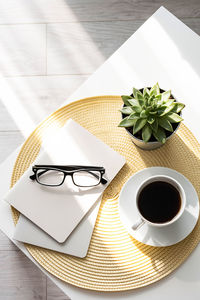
(66, 204)
(150, 235)
(35, 62)
(139, 63)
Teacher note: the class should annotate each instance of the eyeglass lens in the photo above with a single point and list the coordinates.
(86, 178)
(50, 177)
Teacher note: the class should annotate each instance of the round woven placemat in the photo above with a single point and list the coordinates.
(115, 261)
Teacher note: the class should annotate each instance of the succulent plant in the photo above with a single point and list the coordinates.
(151, 113)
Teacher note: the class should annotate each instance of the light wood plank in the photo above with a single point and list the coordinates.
(193, 23)
(72, 48)
(23, 49)
(20, 279)
(9, 141)
(6, 244)
(7, 123)
(78, 48)
(34, 98)
(45, 11)
(53, 292)
(81, 48)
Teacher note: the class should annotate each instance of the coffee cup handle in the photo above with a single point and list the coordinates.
(138, 224)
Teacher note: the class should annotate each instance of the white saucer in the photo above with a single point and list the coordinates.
(150, 235)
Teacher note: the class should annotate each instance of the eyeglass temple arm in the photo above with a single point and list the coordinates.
(103, 180)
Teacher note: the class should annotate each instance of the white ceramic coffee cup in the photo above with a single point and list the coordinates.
(142, 220)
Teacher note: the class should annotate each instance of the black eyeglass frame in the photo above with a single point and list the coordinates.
(67, 170)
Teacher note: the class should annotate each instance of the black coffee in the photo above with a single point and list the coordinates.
(159, 202)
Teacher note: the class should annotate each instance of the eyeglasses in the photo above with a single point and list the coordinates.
(82, 176)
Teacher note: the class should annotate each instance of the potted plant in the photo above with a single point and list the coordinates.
(150, 116)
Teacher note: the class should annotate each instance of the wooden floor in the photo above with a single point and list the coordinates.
(47, 49)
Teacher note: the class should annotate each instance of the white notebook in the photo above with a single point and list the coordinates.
(58, 210)
(77, 244)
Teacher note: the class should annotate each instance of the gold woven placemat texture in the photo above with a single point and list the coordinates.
(115, 261)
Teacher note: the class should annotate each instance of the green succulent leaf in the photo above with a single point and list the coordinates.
(154, 106)
(139, 125)
(154, 125)
(158, 97)
(166, 109)
(139, 96)
(137, 108)
(125, 99)
(161, 109)
(174, 118)
(134, 116)
(142, 102)
(159, 104)
(160, 135)
(126, 122)
(146, 92)
(169, 102)
(164, 123)
(146, 133)
(147, 108)
(143, 114)
(150, 100)
(152, 92)
(136, 92)
(153, 112)
(166, 95)
(133, 102)
(155, 90)
(127, 110)
(150, 119)
(178, 107)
